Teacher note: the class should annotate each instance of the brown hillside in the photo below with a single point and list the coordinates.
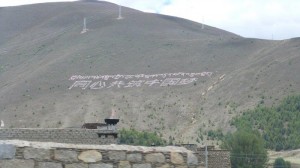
(41, 47)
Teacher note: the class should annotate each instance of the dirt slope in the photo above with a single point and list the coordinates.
(42, 47)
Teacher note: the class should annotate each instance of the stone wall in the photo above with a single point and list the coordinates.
(76, 136)
(26, 154)
(215, 158)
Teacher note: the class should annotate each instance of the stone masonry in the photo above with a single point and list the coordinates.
(93, 157)
(26, 154)
(215, 158)
(76, 136)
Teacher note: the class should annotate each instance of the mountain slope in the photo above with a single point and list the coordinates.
(42, 47)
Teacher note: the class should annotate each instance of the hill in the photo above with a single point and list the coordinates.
(279, 125)
(53, 75)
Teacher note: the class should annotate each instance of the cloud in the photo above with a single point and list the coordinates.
(249, 18)
(167, 2)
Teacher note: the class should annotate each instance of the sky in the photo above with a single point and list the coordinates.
(264, 19)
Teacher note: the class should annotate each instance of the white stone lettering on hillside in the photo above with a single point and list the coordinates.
(134, 83)
(97, 82)
(170, 81)
(118, 84)
(138, 76)
(98, 85)
(152, 82)
(187, 81)
(81, 84)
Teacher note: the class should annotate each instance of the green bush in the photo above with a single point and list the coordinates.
(215, 134)
(246, 149)
(279, 125)
(281, 163)
(134, 137)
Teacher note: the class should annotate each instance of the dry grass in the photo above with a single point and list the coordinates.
(38, 56)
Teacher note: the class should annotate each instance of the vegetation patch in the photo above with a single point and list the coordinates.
(246, 149)
(279, 125)
(134, 137)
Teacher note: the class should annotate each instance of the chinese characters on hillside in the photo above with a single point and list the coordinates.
(131, 81)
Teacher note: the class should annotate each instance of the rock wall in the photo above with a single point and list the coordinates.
(130, 157)
(215, 158)
(26, 154)
(76, 136)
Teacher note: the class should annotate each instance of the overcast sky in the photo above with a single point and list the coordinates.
(266, 19)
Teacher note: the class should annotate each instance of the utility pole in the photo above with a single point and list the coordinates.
(84, 29)
(120, 12)
(206, 157)
(84, 24)
(221, 36)
(202, 27)
(2, 124)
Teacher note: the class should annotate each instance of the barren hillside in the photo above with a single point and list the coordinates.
(154, 72)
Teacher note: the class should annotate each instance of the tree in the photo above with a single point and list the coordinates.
(279, 125)
(134, 137)
(281, 163)
(246, 149)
